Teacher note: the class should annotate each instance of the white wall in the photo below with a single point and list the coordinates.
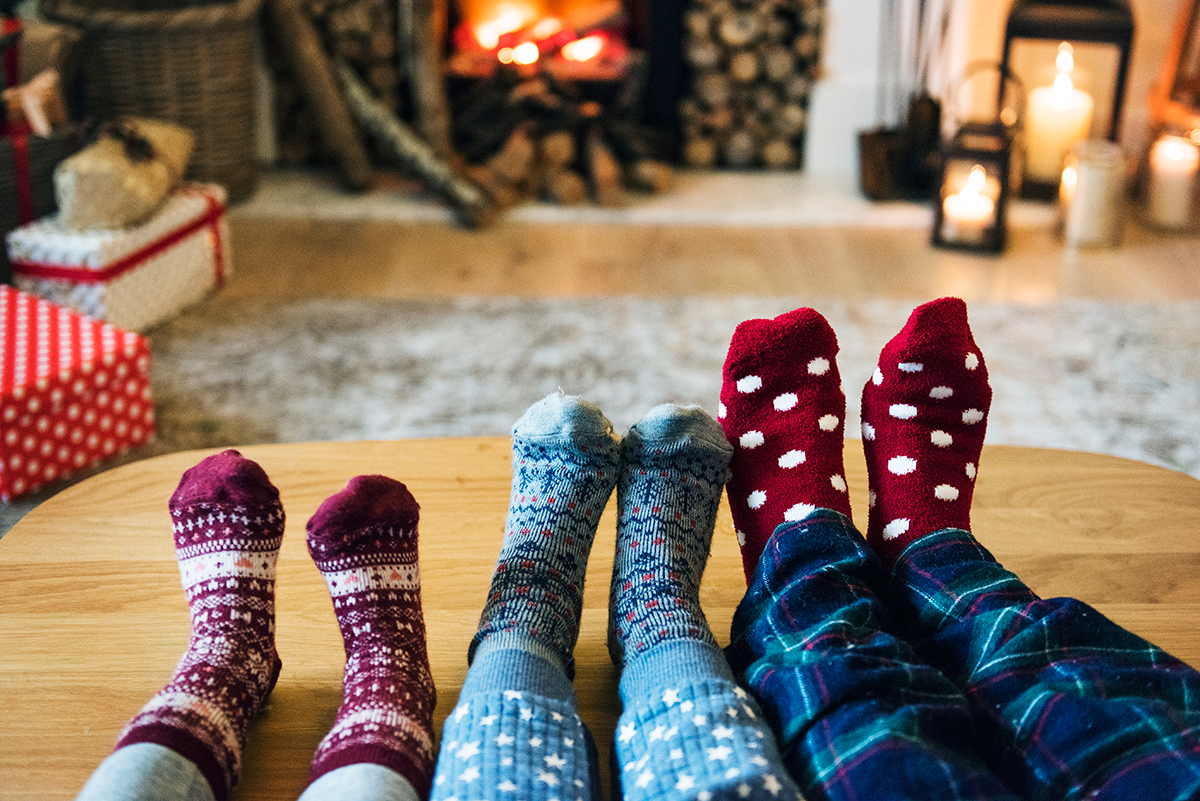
(845, 101)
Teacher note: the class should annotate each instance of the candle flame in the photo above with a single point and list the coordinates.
(977, 179)
(1065, 60)
(1070, 176)
(583, 49)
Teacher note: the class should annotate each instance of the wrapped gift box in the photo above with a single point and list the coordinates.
(131, 277)
(73, 392)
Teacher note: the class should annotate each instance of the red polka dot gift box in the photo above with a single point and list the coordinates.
(73, 392)
(134, 277)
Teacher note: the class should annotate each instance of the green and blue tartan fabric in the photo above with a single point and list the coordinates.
(857, 714)
(1001, 694)
(1068, 703)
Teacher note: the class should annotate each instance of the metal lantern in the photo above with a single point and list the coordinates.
(1072, 56)
(971, 210)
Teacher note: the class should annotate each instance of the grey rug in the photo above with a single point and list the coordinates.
(1117, 378)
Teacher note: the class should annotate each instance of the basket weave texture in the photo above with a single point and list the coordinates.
(192, 65)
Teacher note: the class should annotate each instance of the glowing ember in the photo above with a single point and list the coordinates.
(509, 17)
(583, 49)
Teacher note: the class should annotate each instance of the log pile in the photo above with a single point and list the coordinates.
(754, 62)
(534, 138)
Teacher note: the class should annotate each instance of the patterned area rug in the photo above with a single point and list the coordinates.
(1117, 378)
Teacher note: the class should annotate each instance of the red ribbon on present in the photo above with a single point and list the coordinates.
(12, 56)
(211, 219)
(23, 176)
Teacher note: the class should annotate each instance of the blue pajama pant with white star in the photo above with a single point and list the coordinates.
(1003, 695)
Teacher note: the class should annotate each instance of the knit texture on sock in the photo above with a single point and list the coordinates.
(364, 542)
(674, 465)
(228, 526)
(924, 416)
(516, 746)
(783, 409)
(687, 731)
(564, 468)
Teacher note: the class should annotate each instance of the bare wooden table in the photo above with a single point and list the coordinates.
(93, 620)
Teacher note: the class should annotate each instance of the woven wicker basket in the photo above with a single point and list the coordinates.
(189, 65)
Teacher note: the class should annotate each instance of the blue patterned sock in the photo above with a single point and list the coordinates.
(516, 731)
(565, 462)
(687, 730)
(675, 462)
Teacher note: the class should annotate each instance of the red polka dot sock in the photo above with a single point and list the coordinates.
(228, 525)
(364, 542)
(783, 410)
(924, 414)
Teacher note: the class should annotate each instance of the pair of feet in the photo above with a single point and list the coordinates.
(228, 526)
(668, 472)
(924, 413)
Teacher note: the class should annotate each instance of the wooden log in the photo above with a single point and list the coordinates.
(703, 53)
(744, 66)
(422, 31)
(604, 171)
(790, 120)
(471, 203)
(650, 175)
(514, 162)
(700, 152)
(311, 67)
(740, 29)
(740, 149)
(778, 64)
(779, 154)
(566, 187)
(713, 89)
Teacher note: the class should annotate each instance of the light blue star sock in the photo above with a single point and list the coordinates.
(516, 734)
(687, 730)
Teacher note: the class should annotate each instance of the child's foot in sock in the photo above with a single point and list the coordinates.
(364, 542)
(686, 730)
(924, 415)
(783, 409)
(228, 526)
(674, 465)
(565, 463)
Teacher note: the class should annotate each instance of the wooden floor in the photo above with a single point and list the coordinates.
(297, 257)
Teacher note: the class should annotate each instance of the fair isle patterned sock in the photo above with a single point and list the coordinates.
(364, 542)
(674, 465)
(687, 731)
(228, 525)
(564, 469)
(924, 415)
(783, 409)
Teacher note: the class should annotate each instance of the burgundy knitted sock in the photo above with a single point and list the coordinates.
(364, 542)
(783, 410)
(228, 526)
(924, 415)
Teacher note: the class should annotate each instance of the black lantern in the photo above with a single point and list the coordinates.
(1072, 56)
(971, 210)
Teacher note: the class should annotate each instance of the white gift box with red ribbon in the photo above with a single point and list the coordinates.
(132, 277)
(74, 391)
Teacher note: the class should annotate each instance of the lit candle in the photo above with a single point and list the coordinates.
(968, 213)
(1092, 194)
(1173, 164)
(1059, 116)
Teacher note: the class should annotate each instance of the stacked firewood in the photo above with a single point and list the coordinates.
(534, 138)
(754, 62)
(361, 33)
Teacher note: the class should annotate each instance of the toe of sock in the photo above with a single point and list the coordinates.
(567, 421)
(367, 503)
(672, 427)
(790, 335)
(225, 478)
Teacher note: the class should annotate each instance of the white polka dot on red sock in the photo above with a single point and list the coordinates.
(901, 465)
(748, 384)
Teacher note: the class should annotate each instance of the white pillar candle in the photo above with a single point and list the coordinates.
(1059, 116)
(1092, 195)
(1173, 165)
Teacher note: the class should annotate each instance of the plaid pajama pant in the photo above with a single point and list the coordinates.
(952, 680)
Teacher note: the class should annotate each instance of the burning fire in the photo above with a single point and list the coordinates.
(517, 33)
